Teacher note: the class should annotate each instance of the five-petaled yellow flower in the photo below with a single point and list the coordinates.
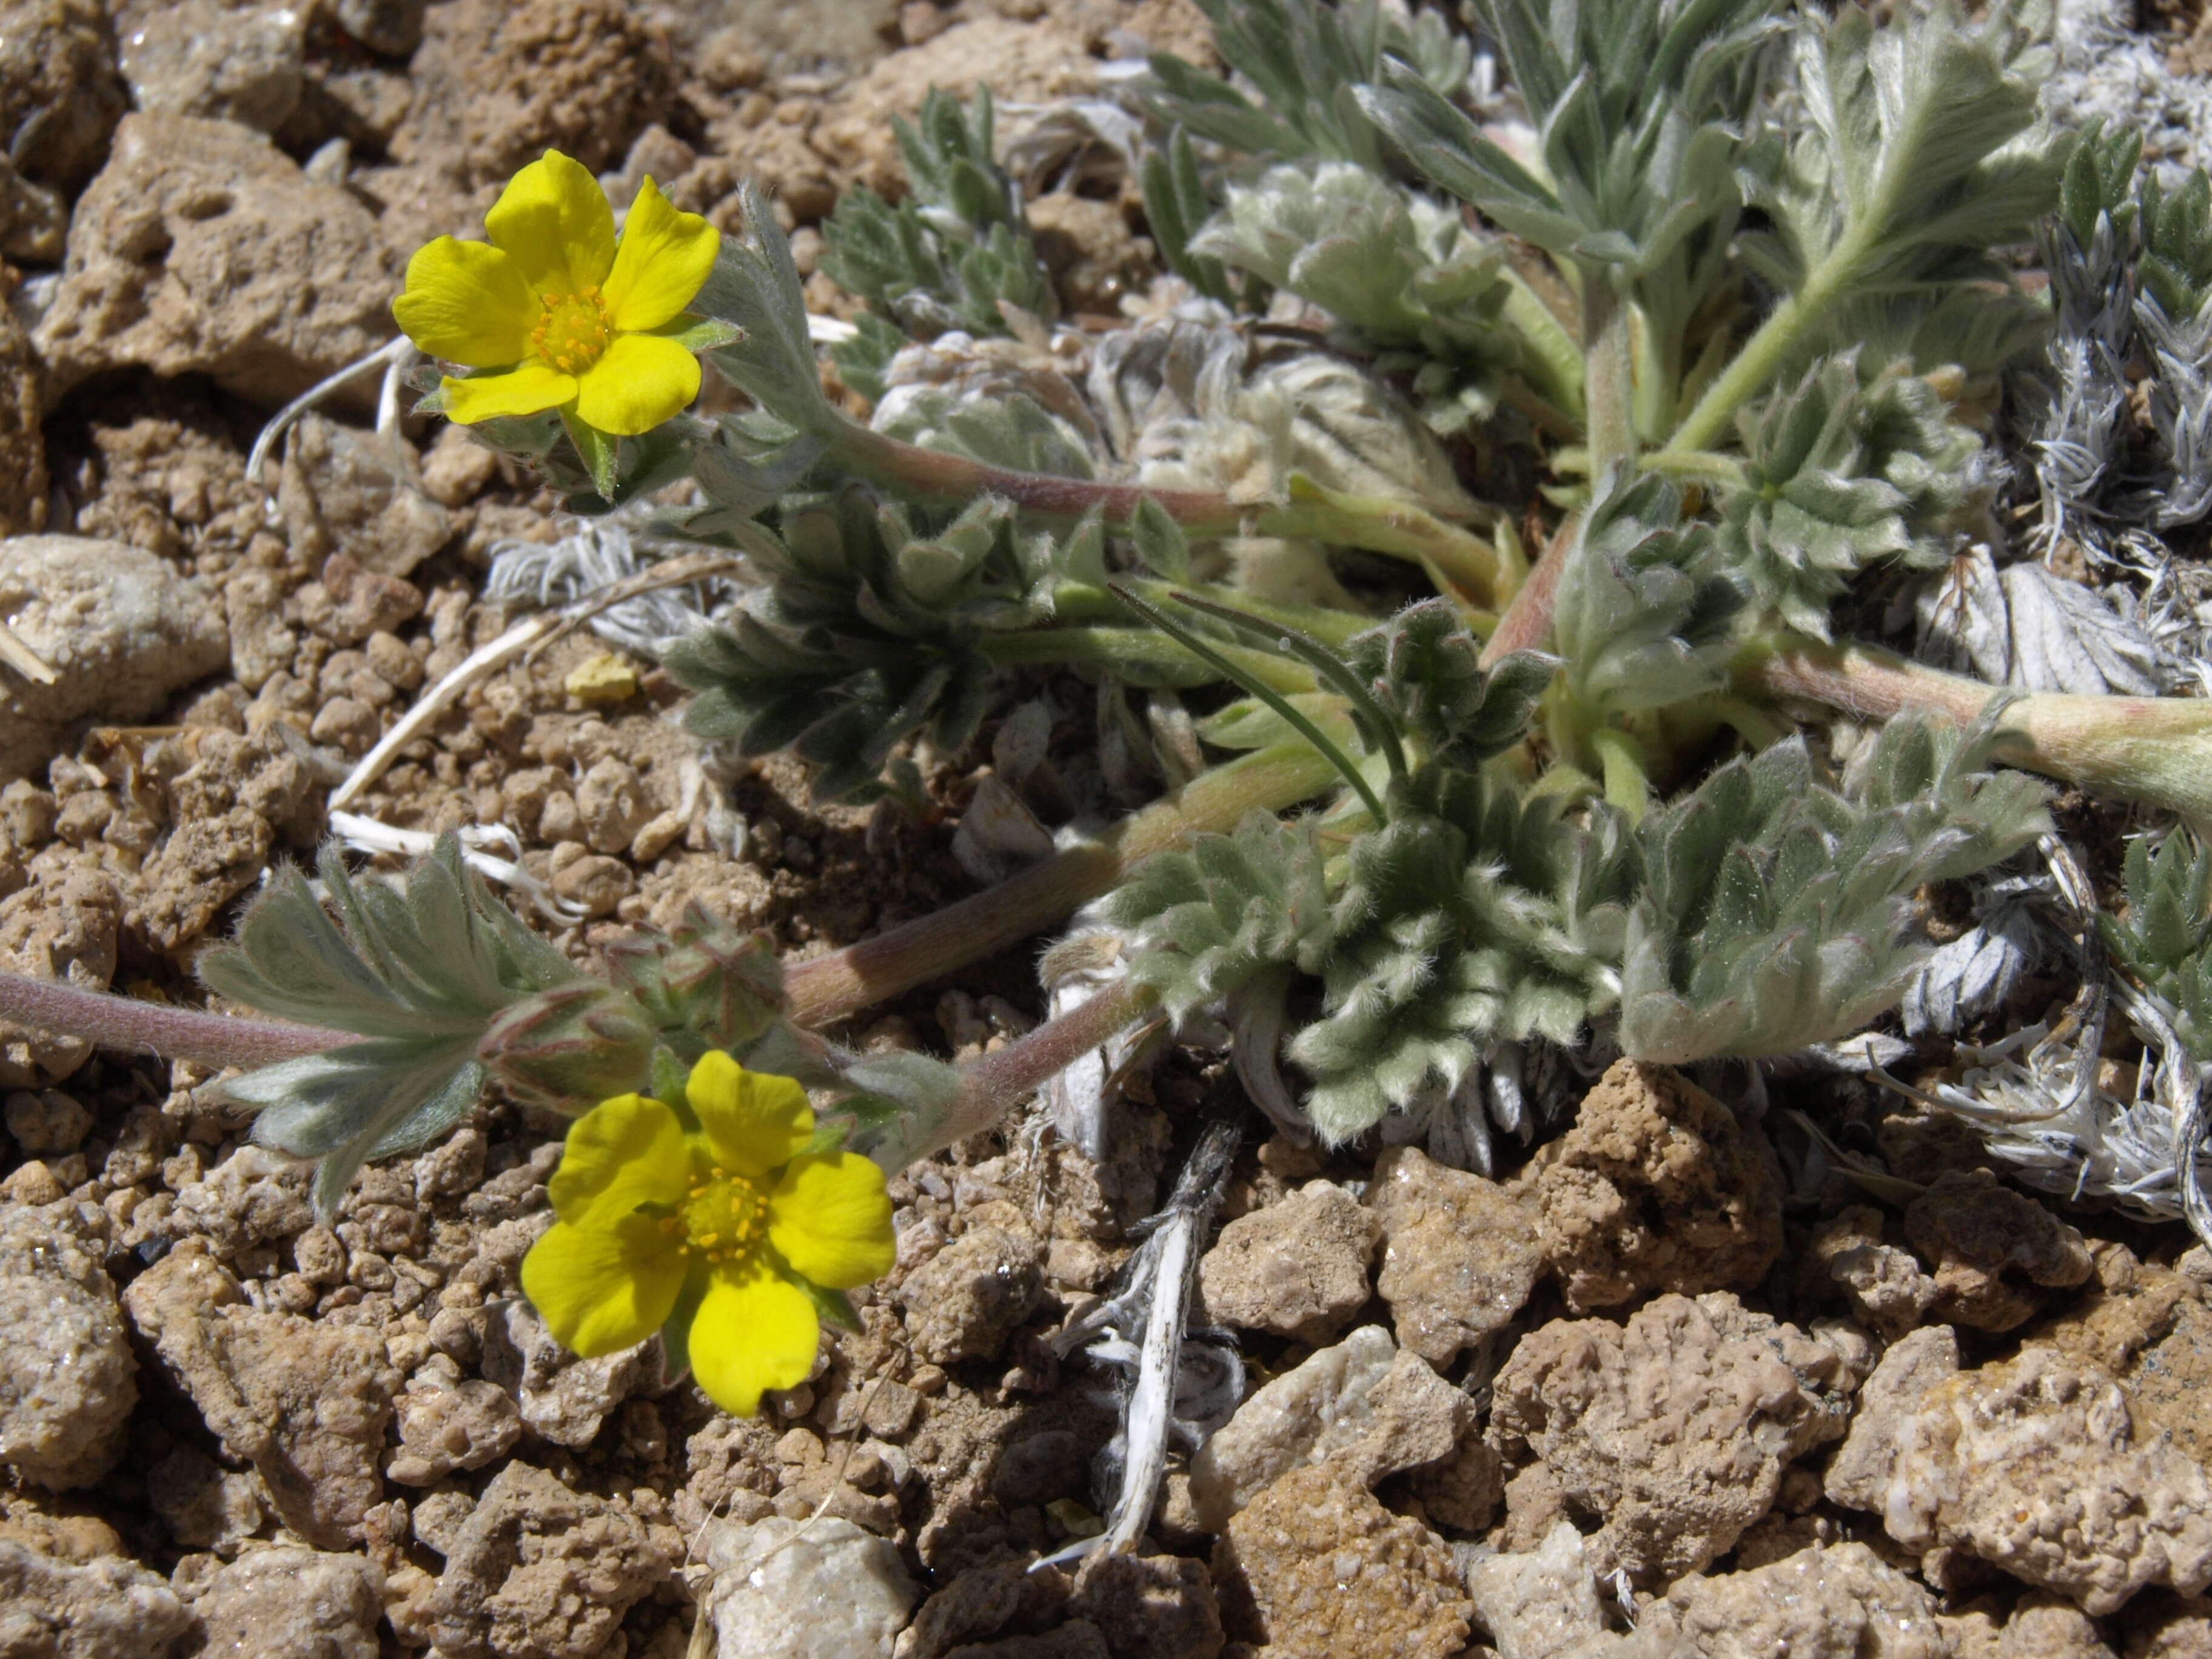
(711, 1232)
(574, 322)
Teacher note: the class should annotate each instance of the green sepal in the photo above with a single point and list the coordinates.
(672, 1084)
(831, 1307)
(702, 333)
(600, 452)
(676, 1334)
(830, 1134)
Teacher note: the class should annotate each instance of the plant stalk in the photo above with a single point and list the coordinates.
(1376, 523)
(994, 1084)
(1609, 392)
(120, 1022)
(1527, 623)
(1762, 354)
(831, 986)
(2156, 751)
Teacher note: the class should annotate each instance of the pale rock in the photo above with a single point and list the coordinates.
(611, 805)
(1674, 1428)
(350, 492)
(62, 928)
(202, 248)
(1459, 1253)
(1161, 1605)
(255, 1196)
(1656, 1187)
(285, 1603)
(1881, 1282)
(973, 1294)
(305, 1402)
(563, 1398)
(498, 82)
(204, 1505)
(1314, 1565)
(207, 57)
(783, 1589)
(60, 96)
(23, 479)
(1297, 1268)
(121, 629)
(449, 1422)
(108, 1609)
(1993, 1248)
(539, 1571)
(2041, 1628)
(1364, 1407)
(2152, 1329)
(1534, 1604)
(393, 27)
(1840, 1602)
(2032, 1464)
(1544, 1604)
(67, 1379)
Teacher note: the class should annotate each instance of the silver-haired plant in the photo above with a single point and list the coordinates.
(1733, 286)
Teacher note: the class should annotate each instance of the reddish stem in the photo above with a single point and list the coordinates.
(116, 1021)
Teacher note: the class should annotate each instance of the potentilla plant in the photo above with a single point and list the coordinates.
(1722, 298)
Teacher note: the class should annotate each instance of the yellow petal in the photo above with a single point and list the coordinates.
(756, 1330)
(528, 390)
(553, 218)
(662, 263)
(754, 1122)
(466, 302)
(603, 1288)
(623, 1153)
(830, 1219)
(640, 382)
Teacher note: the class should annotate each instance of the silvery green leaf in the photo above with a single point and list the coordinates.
(1642, 110)
(2028, 626)
(420, 971)
(1975, 975)
(1175, 205)
(1839, 473)
(1920, 152)
(1398, 271)
(868, 631)
(1303, 58)
(754, 286)
(953, 249)
(1777, 913)
(1425, 669)
(1642, 608)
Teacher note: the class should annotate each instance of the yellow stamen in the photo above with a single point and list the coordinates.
(573, 331)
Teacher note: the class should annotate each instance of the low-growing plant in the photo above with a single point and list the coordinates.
(1735, 297)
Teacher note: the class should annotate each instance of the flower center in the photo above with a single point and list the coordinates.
(572, 333)
(722, 1217)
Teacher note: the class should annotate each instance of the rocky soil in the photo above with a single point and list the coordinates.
(1670, 1387)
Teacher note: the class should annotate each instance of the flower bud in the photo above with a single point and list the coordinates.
(707, 979)
(572, 1047)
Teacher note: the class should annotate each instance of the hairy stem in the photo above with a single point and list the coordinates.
(829, 988)
(2157, 750)
(1375, 524)
(1527, 623)
(1764, 353)
(1610, 389)
(994, 1084)
(118, 1022)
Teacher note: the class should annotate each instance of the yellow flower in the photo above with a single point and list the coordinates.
(716, 1232)
(572, 321)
